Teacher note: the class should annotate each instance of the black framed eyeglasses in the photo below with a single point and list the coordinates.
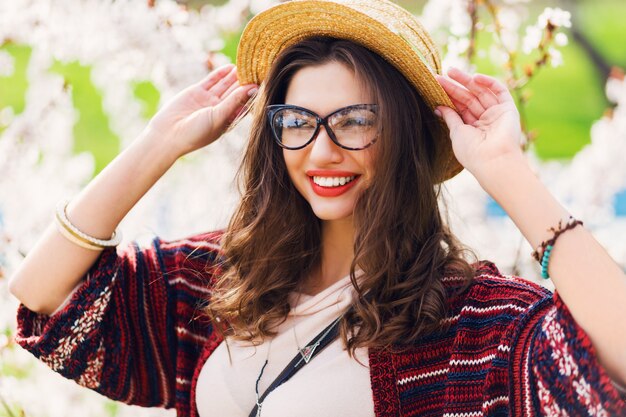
(353, 127)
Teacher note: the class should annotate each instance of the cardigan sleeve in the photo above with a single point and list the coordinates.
(132, 330)
(560, 371)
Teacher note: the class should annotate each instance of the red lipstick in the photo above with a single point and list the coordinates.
(331, 191)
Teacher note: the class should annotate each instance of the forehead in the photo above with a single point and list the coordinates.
(325, 88)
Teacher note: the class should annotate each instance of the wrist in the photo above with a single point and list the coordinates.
(157, 146)
(502, 172)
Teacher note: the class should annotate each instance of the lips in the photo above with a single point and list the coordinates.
(323, 182)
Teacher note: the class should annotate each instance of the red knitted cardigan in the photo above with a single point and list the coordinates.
(134, 332)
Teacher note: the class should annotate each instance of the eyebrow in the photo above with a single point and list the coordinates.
(328, 113)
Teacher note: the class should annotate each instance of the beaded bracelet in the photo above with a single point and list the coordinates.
(75, 235)
(543, 251)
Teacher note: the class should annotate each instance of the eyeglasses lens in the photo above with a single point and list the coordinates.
(353, 128)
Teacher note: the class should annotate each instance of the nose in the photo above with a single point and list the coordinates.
(323, 150)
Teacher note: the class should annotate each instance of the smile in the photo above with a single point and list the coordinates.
(332, 186)
(333, 181)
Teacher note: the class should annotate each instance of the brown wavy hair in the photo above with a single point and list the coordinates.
(401, 243)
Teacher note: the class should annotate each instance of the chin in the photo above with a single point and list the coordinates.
(332, 212)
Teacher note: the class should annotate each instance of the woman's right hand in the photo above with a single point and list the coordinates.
(200, 113)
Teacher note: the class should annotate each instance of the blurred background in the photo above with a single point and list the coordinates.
(79, 79)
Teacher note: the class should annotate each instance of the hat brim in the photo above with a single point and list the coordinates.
(277, 28)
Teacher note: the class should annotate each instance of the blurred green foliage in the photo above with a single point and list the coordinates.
(148, 95)
(565, 101)
(603, 22)
(13, 88)
(91, 131)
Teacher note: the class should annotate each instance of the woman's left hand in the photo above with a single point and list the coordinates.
(486, 131)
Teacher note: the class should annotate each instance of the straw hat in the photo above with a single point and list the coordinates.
(379, 25)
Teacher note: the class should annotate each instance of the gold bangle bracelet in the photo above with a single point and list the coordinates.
(74, 239)
(79, 236)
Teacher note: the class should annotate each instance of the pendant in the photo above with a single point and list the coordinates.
(307, 352)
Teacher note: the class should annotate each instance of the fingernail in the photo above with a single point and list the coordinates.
(252, 91)
(438, 112)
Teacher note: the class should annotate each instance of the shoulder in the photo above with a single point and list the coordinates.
(206, 240)
(191, 247)
(201, 252)
(494, 296)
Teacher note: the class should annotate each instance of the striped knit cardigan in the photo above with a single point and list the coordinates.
(133, 332)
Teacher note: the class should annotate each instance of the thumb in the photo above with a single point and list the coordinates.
(226, 111)
(452, 118)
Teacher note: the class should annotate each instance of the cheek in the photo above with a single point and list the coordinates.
(288, 162)
(293, 163)
(367, 161)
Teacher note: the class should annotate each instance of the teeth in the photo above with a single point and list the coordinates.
(332, 181)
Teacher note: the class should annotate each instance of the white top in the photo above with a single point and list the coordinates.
(332, 384)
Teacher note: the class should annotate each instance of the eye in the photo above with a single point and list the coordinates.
(356, 121)
(293, 120)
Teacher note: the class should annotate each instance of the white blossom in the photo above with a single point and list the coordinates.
(532, 39)
(497, 55)
(556, 58)
(7, 64)
(556, 16)
(6, 116)
(510, 18)
(458, 46)
(560, 39)
(127, 41)
(460, 20)
(615, 89)
(436, 14)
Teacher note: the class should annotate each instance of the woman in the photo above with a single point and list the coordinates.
(338, 242)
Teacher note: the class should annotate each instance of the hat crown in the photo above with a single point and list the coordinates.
(402, 23)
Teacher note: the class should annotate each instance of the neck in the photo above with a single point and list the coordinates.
(337, 252)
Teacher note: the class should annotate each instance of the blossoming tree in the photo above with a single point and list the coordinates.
(90, 64)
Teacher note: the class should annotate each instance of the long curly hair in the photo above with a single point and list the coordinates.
(401, 245)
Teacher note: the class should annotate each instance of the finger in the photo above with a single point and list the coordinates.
(484, 95)
(215, 75)
(226, 111)
(462, 97)
(232, 88)
(224, 84)
(465, 113)
(452, 119)
(496, 87)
